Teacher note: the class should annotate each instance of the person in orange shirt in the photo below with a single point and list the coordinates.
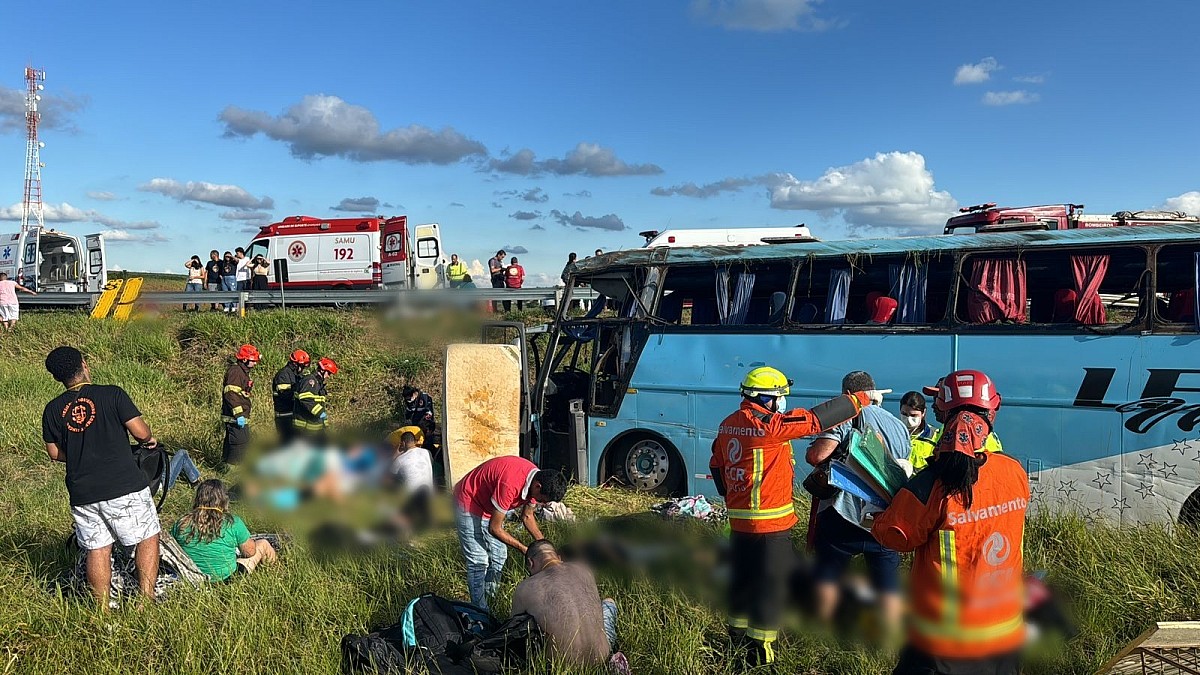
(964, 519)
(754, 469)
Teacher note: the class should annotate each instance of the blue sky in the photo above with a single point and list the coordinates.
(569, 126)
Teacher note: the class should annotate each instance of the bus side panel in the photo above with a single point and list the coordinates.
(1073, 453)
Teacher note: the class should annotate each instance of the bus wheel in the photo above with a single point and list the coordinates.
(649, 464)
(1189, 515)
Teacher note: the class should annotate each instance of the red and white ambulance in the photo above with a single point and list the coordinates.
(336, 253)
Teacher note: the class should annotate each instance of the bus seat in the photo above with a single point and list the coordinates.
(807, 313)
(671, 308)
(1181, 308)
(777, 307)
(882, 310)
(1065, 301)
(704, 312)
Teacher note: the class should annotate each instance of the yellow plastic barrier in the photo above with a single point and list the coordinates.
(108, 297)
(128, 295)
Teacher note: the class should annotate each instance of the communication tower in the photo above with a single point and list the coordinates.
(31, 206)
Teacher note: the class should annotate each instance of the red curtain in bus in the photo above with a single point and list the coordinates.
(999, 291)
(1089, 271)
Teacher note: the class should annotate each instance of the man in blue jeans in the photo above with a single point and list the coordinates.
(182, 464)
(482, 500)
(839, 535)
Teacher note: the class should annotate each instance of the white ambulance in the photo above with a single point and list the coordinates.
(49, 261)
(727, 236)
(337, 253)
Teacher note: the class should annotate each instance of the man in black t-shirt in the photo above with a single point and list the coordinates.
(88, 428)
(212, 274)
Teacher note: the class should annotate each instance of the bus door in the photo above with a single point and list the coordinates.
(97, 275)
(428, 267)
(559, 397)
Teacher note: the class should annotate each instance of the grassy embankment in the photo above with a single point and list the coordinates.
(292, 619)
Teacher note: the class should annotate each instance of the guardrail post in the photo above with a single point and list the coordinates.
(242, 298)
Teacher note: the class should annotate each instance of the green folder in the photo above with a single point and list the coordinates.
(869, 453)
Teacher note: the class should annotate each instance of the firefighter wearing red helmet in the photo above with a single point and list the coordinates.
(964, 519)
(309, 415)
(283, 393)
(235, 404)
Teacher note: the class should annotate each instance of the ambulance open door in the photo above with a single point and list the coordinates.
(27, 273)
(429, 263)
(97, 274)
(394, 255)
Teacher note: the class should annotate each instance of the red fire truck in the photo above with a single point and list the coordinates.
(370, 252)
(991, 218)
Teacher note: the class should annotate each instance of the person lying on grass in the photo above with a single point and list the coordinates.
(216, 539)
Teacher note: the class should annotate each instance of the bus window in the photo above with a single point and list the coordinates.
(733, 295)
(886, 290)
(1059, 289)
(1175, 286)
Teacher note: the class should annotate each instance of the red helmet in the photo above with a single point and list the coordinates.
(966, 388)
(247, 353)
(300, 356)
(326, 364)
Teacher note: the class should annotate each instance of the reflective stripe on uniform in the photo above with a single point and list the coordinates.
(316, 409)
(237, 410)
(949, 557)
(954, 631)
(286, 414)
(233, 388)
(309, 396)
(281, 387)
(756, 478)
(762, 514)
(737, 622)
(228, 420)
(302, 424)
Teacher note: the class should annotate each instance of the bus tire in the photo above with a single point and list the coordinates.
(1189, 514)
(648, 463)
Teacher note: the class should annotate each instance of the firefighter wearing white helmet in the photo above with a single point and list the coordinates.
(754, 469)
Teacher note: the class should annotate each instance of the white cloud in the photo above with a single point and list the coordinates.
(974, 73)
(57, 111)
(66, 213)
(1030, 79)
(585, 159)
(1188, 202)
(102, 196)
(541, 280)
(765, 16)
(207, 193)
(326, 126)
(607, 222)
(477, 270)
(125, 236)
(357, 205)
(893, 189)
(707, 190)
(1020, 97)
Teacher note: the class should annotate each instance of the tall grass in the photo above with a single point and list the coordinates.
(292, 618)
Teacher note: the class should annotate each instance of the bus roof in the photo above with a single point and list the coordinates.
(933, 244)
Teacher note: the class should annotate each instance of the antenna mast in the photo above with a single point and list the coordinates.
(32, 203)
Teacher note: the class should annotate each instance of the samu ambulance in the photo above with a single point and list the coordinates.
(339, 253)
(49, 261)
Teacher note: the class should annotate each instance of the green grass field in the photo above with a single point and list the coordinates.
(292, 618)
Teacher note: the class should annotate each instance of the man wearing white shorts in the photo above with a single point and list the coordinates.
(10, 309)
(88, 427)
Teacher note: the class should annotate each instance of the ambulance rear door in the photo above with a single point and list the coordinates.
(10, 254)
(94, 263)
(429, 264)
(394, 251)
(30, 257)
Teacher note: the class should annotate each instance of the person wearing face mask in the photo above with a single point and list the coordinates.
(753, 468)
(923, 449)
(922, 435)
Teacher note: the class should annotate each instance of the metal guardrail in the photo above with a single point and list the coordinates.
(464, 296)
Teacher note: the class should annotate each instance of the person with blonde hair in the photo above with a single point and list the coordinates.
(215, 538)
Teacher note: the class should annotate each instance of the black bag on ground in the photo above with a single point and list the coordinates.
(154, 462)
(418, 643)
(510, 647)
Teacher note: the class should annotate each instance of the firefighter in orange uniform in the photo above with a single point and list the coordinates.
(754, 469)
(235, 404)
(964, 519)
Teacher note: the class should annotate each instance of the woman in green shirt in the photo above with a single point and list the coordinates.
(216, 539)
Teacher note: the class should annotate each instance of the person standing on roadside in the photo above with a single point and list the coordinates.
(259, 270)
(229, 268)
(514, 278)
(235, 404)
(212, 274)
(456, 271)
(496, 270)
(963, 518)
(243, 269)
(754, 471)
(10, 307)
(88, 427)
(195, 279)
(569, 268)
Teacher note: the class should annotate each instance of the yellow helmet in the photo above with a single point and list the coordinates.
(766, 381)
